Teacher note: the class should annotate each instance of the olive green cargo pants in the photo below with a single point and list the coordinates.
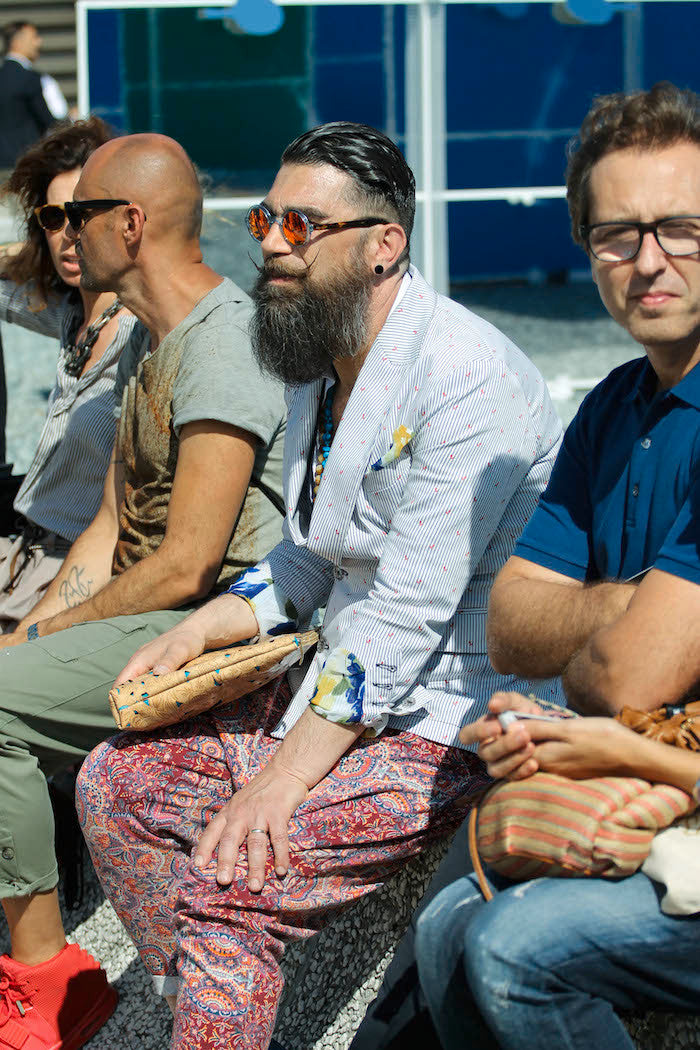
(54, 709)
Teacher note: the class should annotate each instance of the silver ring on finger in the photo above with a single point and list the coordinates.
(257, 831)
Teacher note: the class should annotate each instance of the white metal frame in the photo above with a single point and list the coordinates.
(425, 115)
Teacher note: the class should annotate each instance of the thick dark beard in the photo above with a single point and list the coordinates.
(298, 332)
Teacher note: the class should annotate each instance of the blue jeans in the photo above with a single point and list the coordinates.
(546, 962)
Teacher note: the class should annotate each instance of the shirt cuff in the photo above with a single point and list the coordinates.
(272, 609)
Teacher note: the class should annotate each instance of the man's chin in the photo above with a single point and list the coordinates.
(89, 283)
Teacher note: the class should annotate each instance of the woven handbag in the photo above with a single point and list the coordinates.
(677, 724)
(212, 679)
(605, 826)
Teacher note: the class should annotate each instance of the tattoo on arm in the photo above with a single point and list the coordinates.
(75, 590)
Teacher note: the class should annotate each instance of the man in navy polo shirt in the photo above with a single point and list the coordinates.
(602, 587)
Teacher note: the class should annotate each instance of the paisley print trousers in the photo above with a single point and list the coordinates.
(144, 799)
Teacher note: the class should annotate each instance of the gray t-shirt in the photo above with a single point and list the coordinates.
(203, 369)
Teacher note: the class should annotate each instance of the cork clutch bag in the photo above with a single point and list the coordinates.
(214, 678)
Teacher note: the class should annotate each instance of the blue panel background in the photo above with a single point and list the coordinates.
(517, 88)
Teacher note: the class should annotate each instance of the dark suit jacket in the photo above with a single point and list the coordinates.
(24, 115)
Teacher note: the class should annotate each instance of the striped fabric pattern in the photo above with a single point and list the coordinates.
(552, 825)
(62, 490)
(442, 453)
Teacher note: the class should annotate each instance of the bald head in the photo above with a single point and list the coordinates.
(155, 172)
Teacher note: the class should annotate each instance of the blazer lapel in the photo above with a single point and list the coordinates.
(384, 370)
(301, 424)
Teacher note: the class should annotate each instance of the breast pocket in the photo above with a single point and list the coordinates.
(383, 489)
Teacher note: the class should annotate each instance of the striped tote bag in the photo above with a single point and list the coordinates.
(552, 825)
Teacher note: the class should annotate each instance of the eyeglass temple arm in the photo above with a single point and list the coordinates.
(348, 222)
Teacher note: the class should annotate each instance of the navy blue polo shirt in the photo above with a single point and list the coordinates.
(624, 494)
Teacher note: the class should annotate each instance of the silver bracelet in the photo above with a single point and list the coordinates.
(32, 632)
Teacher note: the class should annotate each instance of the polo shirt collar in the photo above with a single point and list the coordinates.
(688, 389)
(644, 386)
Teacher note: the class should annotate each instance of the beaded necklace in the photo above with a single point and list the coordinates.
(77, 354)
(325, 436)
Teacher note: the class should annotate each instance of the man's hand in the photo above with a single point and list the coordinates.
(222, 621)
(267, 803)
(166, 653)
(257, 814)
(507, 753)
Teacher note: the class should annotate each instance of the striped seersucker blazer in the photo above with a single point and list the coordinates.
(444, 447)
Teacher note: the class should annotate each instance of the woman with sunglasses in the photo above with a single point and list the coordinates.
(40, 290)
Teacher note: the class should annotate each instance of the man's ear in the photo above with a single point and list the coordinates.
(133, 229)
(387, 246)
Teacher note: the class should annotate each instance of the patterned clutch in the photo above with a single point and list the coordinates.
(212, 679)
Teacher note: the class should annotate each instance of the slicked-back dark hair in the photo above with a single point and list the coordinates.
(648, 120)
(375, 164)
(62, 150)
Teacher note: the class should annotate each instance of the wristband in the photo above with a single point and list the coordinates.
(32, 632)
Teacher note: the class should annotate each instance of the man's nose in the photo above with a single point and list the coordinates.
(651, 256)
(274, 242)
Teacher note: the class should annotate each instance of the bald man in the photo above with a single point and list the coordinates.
(193, 496)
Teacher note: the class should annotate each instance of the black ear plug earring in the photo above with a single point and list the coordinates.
(379, 268)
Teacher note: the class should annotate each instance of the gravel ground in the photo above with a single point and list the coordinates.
(562, 328)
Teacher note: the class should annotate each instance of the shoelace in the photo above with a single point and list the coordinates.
(12, 993)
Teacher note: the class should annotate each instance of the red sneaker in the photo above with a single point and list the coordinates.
(57, 1005)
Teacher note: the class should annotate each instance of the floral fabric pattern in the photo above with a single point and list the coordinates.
(340, 688)
(219, 947)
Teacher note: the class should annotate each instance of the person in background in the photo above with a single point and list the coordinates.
(40, 290)
(25, 113)
(604, 589)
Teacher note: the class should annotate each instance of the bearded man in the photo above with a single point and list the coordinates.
(418, 441)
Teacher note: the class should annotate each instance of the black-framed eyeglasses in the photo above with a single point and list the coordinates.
(51, 216)
(620, 241)
(79, 212)
(295, 226)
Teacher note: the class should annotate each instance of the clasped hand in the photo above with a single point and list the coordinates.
(572, 747)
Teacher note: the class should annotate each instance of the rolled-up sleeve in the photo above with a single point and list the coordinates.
(469, 452)
(286, 589)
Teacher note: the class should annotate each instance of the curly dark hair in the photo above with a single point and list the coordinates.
(648, 120)
(62, 150)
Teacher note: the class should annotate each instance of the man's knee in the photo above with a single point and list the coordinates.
(509, 937)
